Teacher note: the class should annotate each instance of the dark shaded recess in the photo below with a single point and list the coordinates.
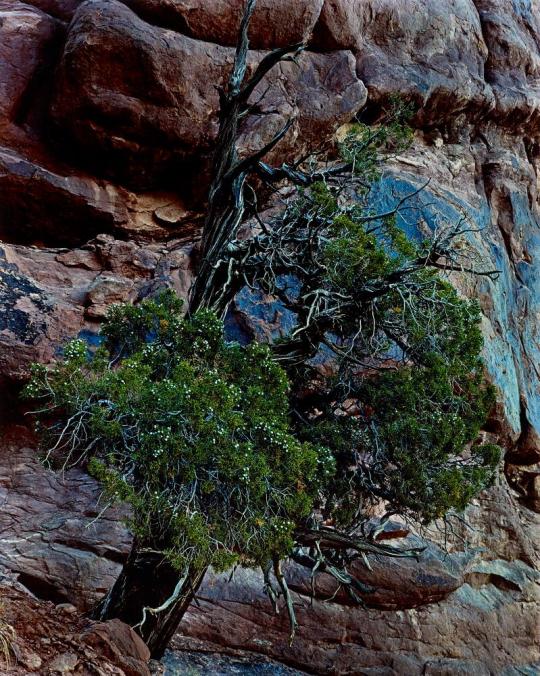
(375, 109)
(33, 106)
(42, 589)
(532, 148)
(11, 405)
(161, 15)
(237, 327)
(521, 454)
(142, 164)
(478, 580)
(33, 212)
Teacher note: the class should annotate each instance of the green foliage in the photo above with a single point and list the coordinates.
(196, 434)
(191, 431)
(406, 350)
(357, 253)
(364, 146)
(403, 399)
(410, 433)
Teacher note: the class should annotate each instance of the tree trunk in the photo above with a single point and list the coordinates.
(151, 596)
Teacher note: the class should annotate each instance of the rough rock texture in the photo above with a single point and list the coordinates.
(143, 100)
(107, 118)
(64, 553)
(511, 31)
(52, 536)
(50, 295)
(410, 641)
(275, 23)
(431, 51)
(44, 639)
(26, 34)
(487, 607)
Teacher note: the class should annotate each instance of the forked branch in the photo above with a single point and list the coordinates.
(226, 204)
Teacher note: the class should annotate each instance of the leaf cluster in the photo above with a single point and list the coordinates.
(191, 431)
(401, 396)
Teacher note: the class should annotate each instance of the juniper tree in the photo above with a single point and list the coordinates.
(194, 434)
(249, 455)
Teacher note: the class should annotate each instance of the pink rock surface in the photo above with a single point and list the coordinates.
(26, 34)
(275, 23)
(429, 51)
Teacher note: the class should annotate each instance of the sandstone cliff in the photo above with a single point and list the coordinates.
(107, 118)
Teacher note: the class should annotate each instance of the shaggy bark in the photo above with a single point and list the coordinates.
(226, 204)
(151, 596)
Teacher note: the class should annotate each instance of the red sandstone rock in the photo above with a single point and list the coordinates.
(46, 640)
(52, 536)
(118, 643)
(511, 31)
(60, 556)
(428, 51)
(474, 68)
(143, 101)
(68, 209)
(61, 9)
(275, 23)
(25, 36)
(472, 629)
(48, 295)
(53, 204)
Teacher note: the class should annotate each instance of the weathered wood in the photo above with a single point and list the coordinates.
(151, 596)
(214, 286)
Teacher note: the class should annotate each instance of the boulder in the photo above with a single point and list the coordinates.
(107, 290)
(118, 643)
(275, 23)
(511, 31)
(141, 102)
(41, 638)
(27, 35)
(60, 9)
(429, 51)
(397, 583)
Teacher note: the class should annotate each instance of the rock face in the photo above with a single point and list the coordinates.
(143, 101)
(51, 295)
(450, 611)
(275, 23)
(430, 51)
(511, 31)
(42, 638)
(108, 113)
(60, 549)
